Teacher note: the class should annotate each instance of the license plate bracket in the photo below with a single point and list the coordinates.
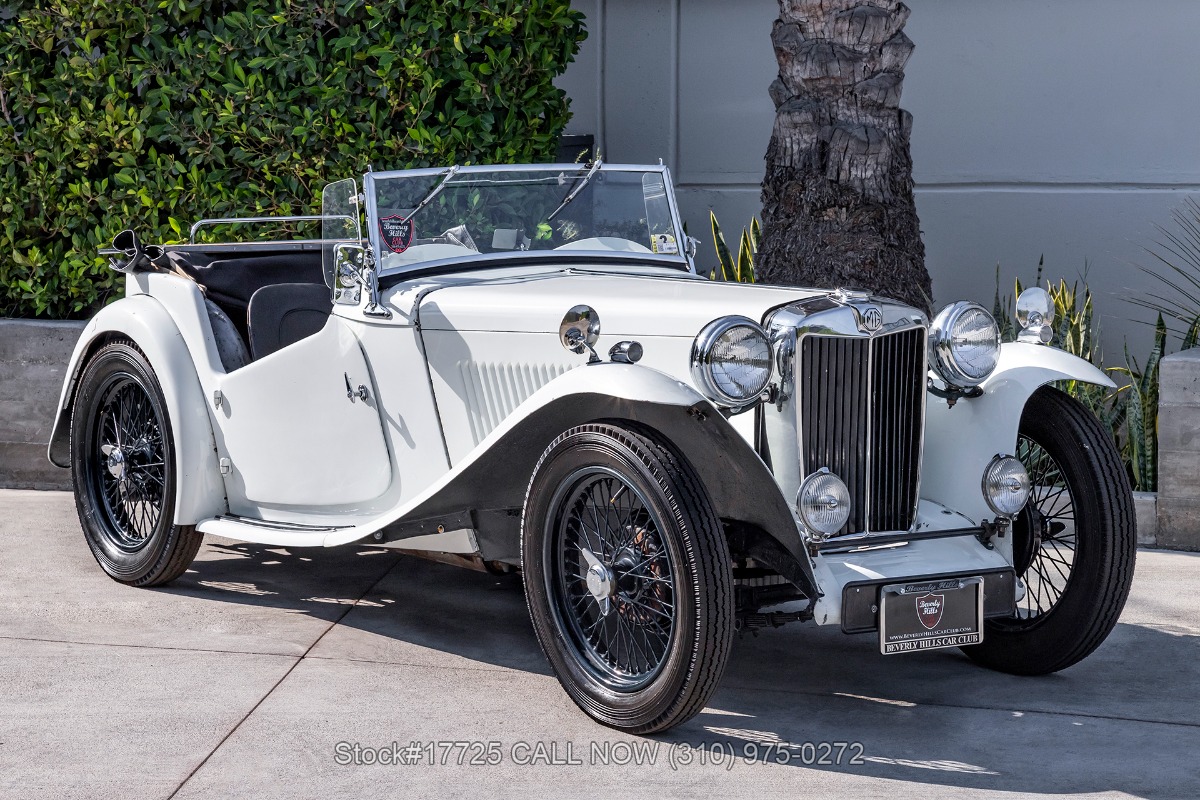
(930, 615)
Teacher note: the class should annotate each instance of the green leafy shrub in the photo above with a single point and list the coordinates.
(742, 270)
(147, 115)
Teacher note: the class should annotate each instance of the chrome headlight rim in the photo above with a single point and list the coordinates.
(702, 360)
(942, 356)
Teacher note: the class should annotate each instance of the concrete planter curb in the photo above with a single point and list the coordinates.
(1179, 452)
(1145, 507)
(33, 364)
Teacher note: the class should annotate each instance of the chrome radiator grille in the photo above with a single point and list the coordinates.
(862, 414)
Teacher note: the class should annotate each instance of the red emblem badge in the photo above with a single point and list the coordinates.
(929, 609)
(397, 232)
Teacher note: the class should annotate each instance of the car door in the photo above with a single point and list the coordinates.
(301, 429)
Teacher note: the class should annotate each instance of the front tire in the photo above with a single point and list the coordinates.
(627, 576)
(123, 470)
(1074, 544)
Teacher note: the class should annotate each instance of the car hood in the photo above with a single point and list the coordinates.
(655, 304)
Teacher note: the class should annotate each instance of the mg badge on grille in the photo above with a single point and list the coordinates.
(871, 318)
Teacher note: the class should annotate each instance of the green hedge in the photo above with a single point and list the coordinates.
(127, 113)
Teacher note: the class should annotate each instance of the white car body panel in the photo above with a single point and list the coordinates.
(960, 441)
(301, 444)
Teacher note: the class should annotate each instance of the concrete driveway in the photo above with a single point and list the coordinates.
(262, 671)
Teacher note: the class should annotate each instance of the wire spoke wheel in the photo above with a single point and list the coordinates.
(1044, 535)
(123, 470)
(128, 478)
(627, 576)
(612, 577)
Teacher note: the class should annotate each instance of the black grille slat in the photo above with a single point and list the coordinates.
(861, 409)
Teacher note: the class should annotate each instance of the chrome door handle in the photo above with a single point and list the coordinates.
(361, 392)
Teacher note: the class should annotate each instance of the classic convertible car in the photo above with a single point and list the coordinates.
(517, 367)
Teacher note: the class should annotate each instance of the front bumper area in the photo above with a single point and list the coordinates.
(850, 581)
(861, 601)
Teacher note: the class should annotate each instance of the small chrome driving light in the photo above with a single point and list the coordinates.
(964, 344)
(1035, 315)
(731, 361)
(823, 503)
(1006, 486)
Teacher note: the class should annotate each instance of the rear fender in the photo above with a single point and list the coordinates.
(960, 441)
(199, 491)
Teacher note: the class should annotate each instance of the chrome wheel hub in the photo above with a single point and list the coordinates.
(601, 582)
(114, 461)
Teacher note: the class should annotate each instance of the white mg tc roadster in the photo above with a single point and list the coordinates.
(518, 367)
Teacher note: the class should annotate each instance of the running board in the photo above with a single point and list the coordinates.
(283, 534)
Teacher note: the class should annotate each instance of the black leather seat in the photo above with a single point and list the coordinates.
(285, 313)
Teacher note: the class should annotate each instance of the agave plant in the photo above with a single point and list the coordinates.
(1140, 445)
(742, 270)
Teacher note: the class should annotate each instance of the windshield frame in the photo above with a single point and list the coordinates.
(682, 261)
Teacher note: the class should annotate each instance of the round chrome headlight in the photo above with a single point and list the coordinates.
(1006, 486)
(731, 361)
(823, 503)
(964, 344)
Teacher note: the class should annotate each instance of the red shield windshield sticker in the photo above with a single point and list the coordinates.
(397, 232)
(929, 609)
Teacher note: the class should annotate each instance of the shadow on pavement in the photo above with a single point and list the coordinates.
(1126, 719)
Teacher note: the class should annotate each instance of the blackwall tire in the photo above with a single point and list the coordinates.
(639, 642)
(123, 470)
(1074, 544)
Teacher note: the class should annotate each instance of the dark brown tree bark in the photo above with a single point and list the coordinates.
(838, 206)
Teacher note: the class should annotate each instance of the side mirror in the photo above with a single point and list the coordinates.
(580, 330)
(347, 279)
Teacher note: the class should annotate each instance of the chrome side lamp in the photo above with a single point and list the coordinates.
(1035, 315)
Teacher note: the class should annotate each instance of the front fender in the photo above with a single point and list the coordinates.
(491, 480)
(960, 441)
(199, 491)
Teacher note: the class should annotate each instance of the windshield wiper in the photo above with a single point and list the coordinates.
(578, 188)
(427, 199)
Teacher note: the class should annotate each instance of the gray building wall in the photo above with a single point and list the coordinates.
(1065, 128)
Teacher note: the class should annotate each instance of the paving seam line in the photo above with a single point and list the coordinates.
(282, 678)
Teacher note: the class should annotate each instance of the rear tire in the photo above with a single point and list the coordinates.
(1074, 544)
(627, 576)
(123, 470)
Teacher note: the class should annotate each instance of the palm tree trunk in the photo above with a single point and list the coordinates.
(838, 206)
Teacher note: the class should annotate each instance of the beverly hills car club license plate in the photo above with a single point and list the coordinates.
(930, 614)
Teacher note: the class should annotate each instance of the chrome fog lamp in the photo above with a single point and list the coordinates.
(823, 503)
(1035, 315)
(964, 344)
(731, 361)
(1006, 486)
